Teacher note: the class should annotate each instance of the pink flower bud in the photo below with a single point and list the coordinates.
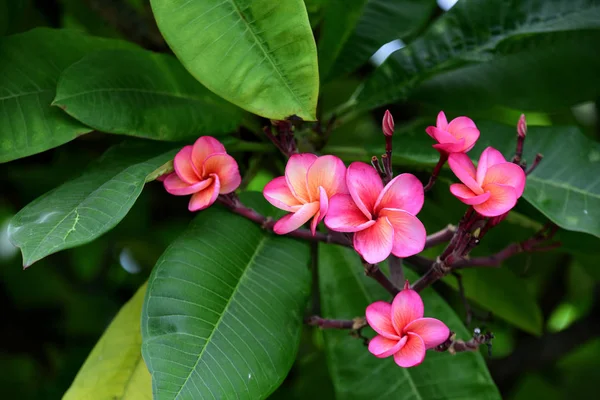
(388, 123)
(522, 126)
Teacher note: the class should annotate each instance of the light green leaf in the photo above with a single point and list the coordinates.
(115, 368)
(31, 65)
(258, 54)
(479, 32)
(357, 374)
(223, 313)
(145, 94)
(79, 211)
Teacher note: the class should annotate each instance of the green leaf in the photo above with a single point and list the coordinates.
(479, 32)
(381, 22)
(357, 374)
(115, 368)
(565, 187)
(79, 211)
(31, 65)
(223, 313)
(258, 54)
(11, 12)
(145, 94)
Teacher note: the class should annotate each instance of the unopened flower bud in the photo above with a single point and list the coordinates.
(522, 126)
(388, 123)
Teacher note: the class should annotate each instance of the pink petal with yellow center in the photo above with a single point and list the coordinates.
(296, 172)
(364, 185)
(406, 307)
(378, 316)
(204, 147)
(278, 193)
(383, 347)
(375, 243)
(489, 157)
(508, 174)
(205, 197)
(466, 195)
(502, 199)
(404, 192)
(183, 166)
(226, 168)
(323, 207)
(432, 331)
(442, 121)
(291, 222)
(409, 232)
(463, 168)
(343, 215)
(412, 353)
(174, 185)
(328, 172)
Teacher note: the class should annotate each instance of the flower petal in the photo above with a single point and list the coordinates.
(470, 136)
(442, 136)
(458, 124)
(489, 157)
(502, 199)
(323, 207)
(432, 331)
(328, 172)
(463, 168)
(406, 307)
(204, 147)
(404, 192)
(442, 121)
(378, 316)
(291, 222)
(296, 172)
(409, 232)
(278, 193)
(344, 216)
(458, 147)
(206, 197)
(226, 168)
(383, 347)
(466, 195)
(364, 185)
(183, 166)
(508, 174)
(174, 185)
(412, 353)
(375, 243)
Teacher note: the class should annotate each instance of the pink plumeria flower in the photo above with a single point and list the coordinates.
(383, 218)
(203, 170)
(458, 136)
(305, 190)
(403, 332)
(493, 188)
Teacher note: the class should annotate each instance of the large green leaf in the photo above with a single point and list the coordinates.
(115, 368)
(79, 211)
(30, 67)
(528, 35)
(223, 313)
(357, 374)
(258, 54)
(565, 186)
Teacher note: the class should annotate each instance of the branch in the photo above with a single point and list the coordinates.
(396, 270)
(436, 171)
(373, 271)
(442, 236)
(354, 324)
(453, 346)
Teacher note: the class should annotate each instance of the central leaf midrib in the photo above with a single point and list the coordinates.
(136, 90)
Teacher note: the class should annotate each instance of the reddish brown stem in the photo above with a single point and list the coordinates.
(436, 171)
(373, 271)
(536, 162)
(324, 323)
(439, 237)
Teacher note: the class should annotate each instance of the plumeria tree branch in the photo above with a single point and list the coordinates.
(453, 345)
(324, 323)
(373, 271)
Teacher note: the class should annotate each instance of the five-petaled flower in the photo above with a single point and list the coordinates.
(458, 136)
(383, 218)
(403, 332)
(203, 170)
(305, 190)
(493, 188)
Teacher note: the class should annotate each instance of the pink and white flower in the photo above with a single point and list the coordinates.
(403, 332)
(458, 136)
(493, 188)
(203, 170)
(382, 218)
(305, 190)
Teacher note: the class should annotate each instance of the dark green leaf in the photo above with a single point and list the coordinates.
(223, 313)
(258, 54)
(31, 65)
(145, 94)
(83, 209)
(357, 374)
(11, 12)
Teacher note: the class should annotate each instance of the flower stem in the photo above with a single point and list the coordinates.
(373, 271)
(436, 171)
(355, 324)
